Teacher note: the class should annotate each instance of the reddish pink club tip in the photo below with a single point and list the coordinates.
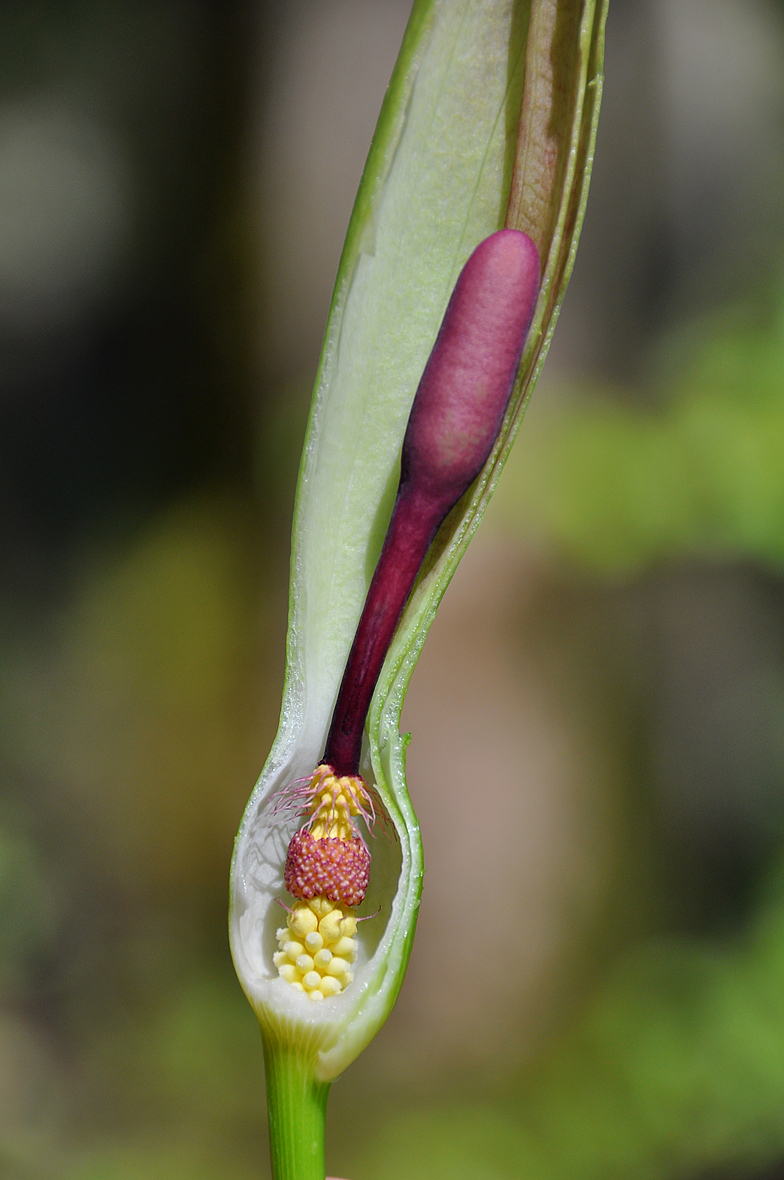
(468, 379)
(454, 422)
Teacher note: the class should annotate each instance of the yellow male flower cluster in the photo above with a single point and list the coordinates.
(317, 948)
(336, 802)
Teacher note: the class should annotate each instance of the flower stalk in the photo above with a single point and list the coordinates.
(489, 121)
(297, 1106)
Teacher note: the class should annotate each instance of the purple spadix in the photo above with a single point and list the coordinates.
(455, 420)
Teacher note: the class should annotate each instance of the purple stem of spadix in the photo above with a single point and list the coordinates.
(455, 420)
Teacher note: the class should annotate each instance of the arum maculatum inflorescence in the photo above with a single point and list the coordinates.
(488, 121)
(454, 422)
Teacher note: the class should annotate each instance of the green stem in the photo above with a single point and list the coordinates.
(297, 1107)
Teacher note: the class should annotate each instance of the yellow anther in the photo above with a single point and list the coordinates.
(325, 970)
(329, 926)
(301, 923)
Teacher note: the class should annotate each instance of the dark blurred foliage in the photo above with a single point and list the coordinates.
(175, 181)
(132, 611)
(126, 376)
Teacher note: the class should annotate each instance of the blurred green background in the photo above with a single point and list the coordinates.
(597, 987)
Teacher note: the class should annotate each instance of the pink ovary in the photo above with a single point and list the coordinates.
(336, 869)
